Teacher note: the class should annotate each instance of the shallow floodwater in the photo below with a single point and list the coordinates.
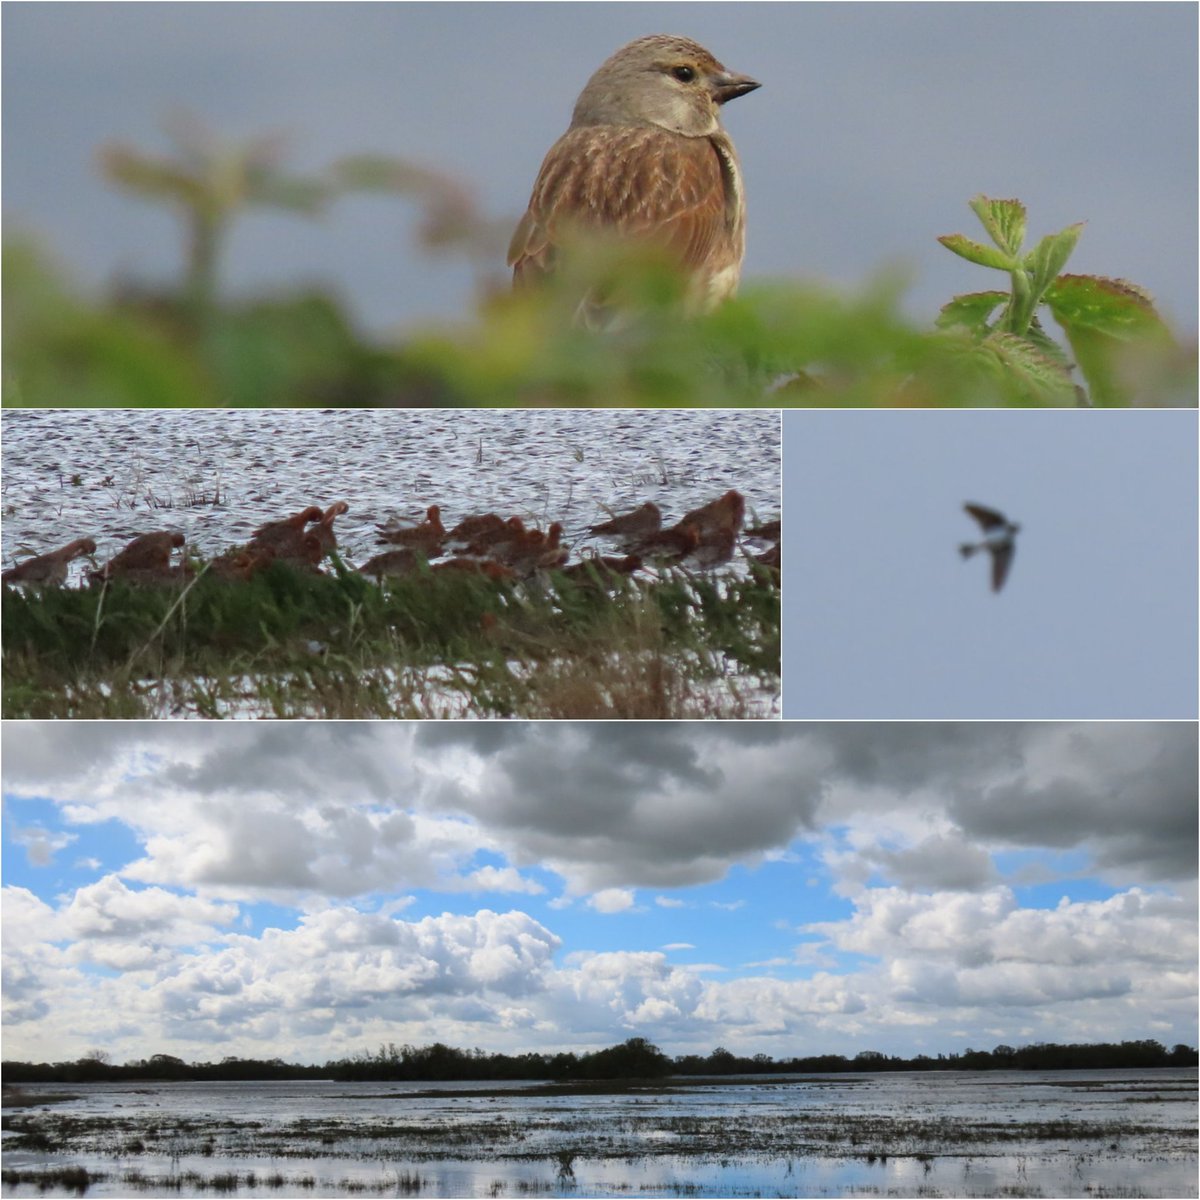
(218, 474)
(1097, 1133)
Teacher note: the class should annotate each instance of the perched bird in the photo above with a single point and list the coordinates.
(999, 534)
(645, 160)
(48, 570)
(149, 554)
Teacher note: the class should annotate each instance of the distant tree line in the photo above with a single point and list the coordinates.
(635, 1058)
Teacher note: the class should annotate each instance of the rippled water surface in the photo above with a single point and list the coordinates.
(1098, 1133)
(218, 474)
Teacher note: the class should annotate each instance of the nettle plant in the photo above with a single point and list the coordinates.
(1103, 320)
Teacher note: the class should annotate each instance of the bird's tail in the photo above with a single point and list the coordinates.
(967, 549)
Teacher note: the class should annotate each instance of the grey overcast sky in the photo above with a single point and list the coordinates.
(883, 619)
(876, 123)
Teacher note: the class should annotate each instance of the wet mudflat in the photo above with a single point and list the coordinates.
(1099, 1133)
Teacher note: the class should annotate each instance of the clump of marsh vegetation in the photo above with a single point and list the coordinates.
(290, 643)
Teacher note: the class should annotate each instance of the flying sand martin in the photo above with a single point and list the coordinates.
(999, 534)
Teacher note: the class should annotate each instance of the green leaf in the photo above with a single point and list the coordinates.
(971, 310)
(1040, 374)
(292, 193)
(976, 252)
(1104, 319)
(1113, 307)
(1050, 255)
(1047, 345)
(1004, 220)
(149, 176)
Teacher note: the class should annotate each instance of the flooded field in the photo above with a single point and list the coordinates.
(1097, 1133)
(218, 475)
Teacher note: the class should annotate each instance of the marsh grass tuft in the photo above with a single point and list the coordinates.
(287, 643)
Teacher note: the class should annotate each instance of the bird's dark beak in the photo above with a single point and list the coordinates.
(727, 86)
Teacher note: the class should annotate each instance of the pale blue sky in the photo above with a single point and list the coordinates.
(884, 620)
(310, 890)
(874, 126)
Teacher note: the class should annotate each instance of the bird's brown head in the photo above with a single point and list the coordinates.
(671, 82)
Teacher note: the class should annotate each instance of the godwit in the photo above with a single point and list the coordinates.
(669, 545)
(147, 553)
(48, 570)
(323, 529)
(769, 531)
(726, 511)
(393, 562)
(630, 526)
(426, 537)
(266, 534)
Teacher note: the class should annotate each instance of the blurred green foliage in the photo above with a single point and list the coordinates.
(776, 345)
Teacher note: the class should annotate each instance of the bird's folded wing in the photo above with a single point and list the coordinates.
(638, 182)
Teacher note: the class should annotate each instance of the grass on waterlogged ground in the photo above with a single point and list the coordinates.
(290, 644)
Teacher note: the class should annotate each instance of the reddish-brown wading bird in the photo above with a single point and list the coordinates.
(495, 541)
(470, 528)
(645, 160)
(602, 570)
(629, 527)
(713, 547)
(323, 529)
(771, 559)
(148, 555)
(726, 512)
(768, 531)
(48, 570)
(538, 551)
(426, 537)
(266, 534)
(241, 563)
(669, 545)
(288, 540)
(475, 566)
(151, 576)
(393, 563)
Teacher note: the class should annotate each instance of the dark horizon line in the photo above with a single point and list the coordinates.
(634, 1058)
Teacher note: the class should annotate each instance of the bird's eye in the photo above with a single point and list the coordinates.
(683, 74)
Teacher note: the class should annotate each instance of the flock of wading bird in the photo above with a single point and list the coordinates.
(487, 545)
